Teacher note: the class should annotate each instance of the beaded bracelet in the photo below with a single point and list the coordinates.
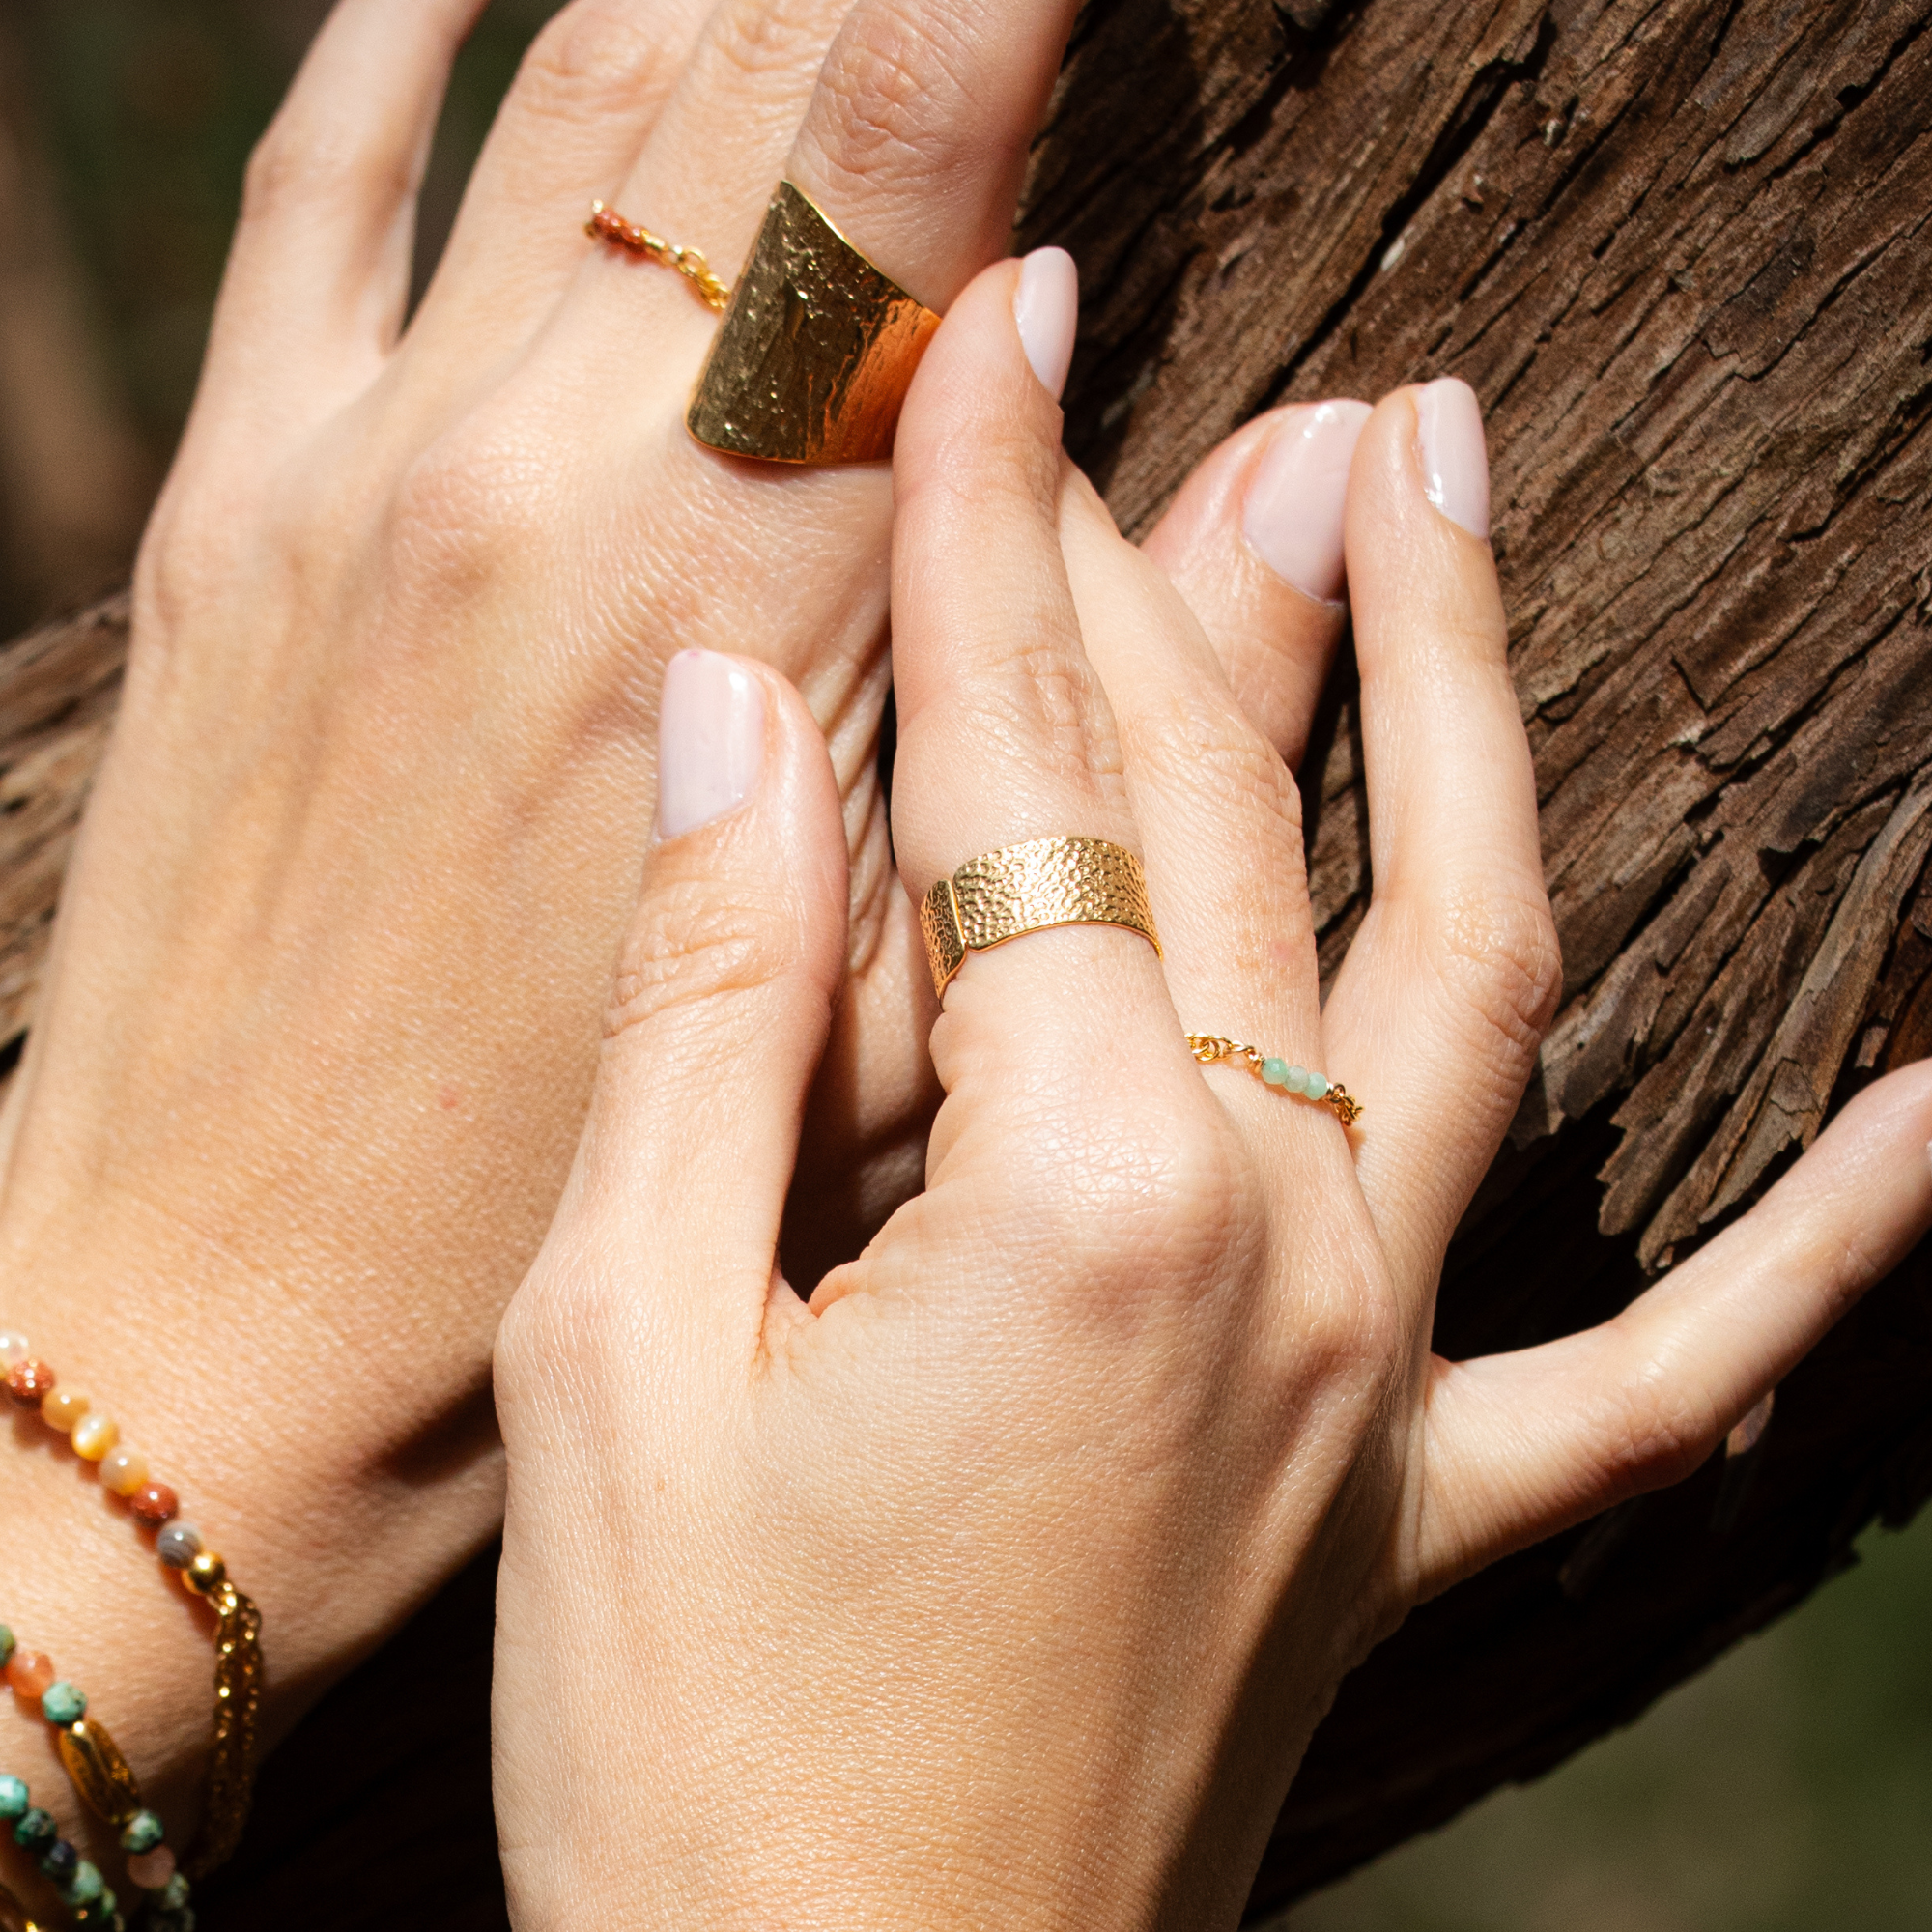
(107, 1787)
(96, 1437)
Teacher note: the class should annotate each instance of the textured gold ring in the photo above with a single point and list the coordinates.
(1023, 888)
(816, 351)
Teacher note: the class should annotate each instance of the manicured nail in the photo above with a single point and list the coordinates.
(711, 740)
(1293, 514)
(1047, 309)
(1455, 458)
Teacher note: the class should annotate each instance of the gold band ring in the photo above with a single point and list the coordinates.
(817, 349)
(1022, 889)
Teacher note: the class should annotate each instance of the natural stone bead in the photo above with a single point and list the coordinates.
(142, 1833)
(1297, 1077)
(63, 1408)
(178, 1545)
(94, 1435)
(29, 1382)
(174, 1894)
(1276, 1072)
(205, 1573)
(155, 1503)
(152, 1870)
(124, 1470)
(1316, 1087)
(29, 1672)
(12, 1346)
(61, 1861)
(36, 1832)
(13, 1800)
(63, 1703)
(84, 1886)
(5, 1645)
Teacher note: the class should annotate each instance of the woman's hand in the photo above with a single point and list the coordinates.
(1006, 1579)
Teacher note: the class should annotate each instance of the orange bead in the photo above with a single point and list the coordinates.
(29, 1382)
(29, 1673)
(63, 1408)
(94, 1435)
(155, 1504)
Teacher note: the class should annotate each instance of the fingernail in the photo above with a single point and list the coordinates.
(1047, 309)
(711, 740)
(1455, 458)
(1293, 514)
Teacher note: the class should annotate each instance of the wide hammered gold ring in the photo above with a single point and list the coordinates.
(1022, 889)
(816, 351)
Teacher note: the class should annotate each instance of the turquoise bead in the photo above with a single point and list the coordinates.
(13, 1800)
(1316, 1087)
(84, 1886)
(142, 1833)
(1276, 1072)
(62, 1704)
(174, 1894)
(36, 1832)
(7, 1646)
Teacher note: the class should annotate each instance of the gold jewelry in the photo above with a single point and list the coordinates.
(238, 1699)
(1208, 1048)
(1023, 888)
(605, 225)
(817, 349)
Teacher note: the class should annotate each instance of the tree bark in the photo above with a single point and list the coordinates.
(1679, 248)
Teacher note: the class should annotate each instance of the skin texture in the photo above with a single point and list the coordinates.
(323, 1015)
(1003, 1579)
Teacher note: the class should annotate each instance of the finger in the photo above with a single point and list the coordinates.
(919, 130)
(705, 174)
(585, 98)
(1519, 1446)
(1451, 981)
(1220, 819)
(320, 269)
(1254, 543)
(1005, 733)
(722, 997)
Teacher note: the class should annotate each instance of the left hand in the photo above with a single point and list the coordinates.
(1005, 1581)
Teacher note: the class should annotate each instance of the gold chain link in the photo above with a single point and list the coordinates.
(605, 225)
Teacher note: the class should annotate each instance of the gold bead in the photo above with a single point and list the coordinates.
(205, 1573)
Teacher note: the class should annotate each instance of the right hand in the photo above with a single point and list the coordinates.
(1003, 1580)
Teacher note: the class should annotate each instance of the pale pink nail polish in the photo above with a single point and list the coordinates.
(711, 740)
(1047, 309)
(1455, 458)
(1292, 515)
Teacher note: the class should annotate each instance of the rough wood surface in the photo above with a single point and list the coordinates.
(1679, 247)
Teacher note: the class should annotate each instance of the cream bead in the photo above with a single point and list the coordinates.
(63, 1409)
(124, 1471)
(95, 1434)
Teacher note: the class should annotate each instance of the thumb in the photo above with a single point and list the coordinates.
(718, 1016)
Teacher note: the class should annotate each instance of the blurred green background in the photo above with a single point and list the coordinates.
(1788, 1790)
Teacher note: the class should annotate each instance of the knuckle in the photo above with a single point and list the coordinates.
(891, 93)
(1193, 745)
(755, 46)
(1660, 1433)
(695, 947)
(1499, 952)
(1146, 1201)
(302, 162)
(593, 56)
(469, 503)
